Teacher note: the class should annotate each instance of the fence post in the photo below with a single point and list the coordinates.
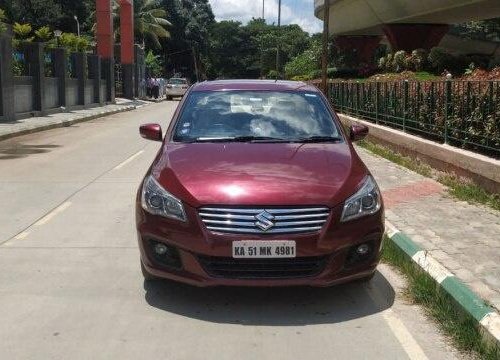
(95, 69)
(447, 108)
(7, 98)
(357, 98)
(108, 70)
(341, 95)
(81, 67)
(60, 72)
(36, 58)
(405, 104)
(377, 99)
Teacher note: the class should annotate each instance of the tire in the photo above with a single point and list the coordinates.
(147, 276)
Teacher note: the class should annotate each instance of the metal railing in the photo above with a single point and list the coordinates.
(465, 114)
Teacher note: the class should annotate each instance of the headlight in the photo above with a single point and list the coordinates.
(365, 202)
(157, 201)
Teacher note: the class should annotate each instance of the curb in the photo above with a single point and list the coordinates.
(65, 123)
(486, 318)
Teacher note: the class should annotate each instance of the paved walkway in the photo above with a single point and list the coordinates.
(465, 238)
(29, 125)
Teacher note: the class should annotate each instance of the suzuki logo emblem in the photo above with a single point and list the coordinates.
(264, 220)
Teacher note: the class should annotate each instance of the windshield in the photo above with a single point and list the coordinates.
(255, 115)
(177, 81)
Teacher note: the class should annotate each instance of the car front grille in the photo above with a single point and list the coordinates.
(263, 268)
(264, 221)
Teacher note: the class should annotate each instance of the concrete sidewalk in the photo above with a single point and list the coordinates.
(464, 238)
(34, 124)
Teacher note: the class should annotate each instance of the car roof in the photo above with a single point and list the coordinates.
(254, 85)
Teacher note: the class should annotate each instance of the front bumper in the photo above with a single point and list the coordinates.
(193, 244)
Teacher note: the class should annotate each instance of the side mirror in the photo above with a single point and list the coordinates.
(358, 132)
(151, 132)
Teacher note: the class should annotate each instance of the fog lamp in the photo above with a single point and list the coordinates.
(363, 249)
(160, 249)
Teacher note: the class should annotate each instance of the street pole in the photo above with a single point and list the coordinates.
(278, 43)
(324, 59)
(262, 43)
(77, 25)
(195, 59)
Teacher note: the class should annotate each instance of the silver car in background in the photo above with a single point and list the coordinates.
(176, 87)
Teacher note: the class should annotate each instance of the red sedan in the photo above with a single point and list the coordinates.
(257, 184)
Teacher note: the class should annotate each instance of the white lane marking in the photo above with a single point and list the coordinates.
(53, 213)
(405, 338)
(119, 166)
(22, 235)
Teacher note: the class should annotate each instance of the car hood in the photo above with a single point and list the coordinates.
(259, 174)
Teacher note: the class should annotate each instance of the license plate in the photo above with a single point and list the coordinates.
(259, 249)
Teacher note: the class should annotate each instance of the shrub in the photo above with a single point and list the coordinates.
(382, 63)
(43, 34)
(74, 43)
(439, 59)
(301, 78)
(399, 60)
(272, 74)
(389, 62)
(3, 17)
(22, 32)
(419, 59)
(304, 63)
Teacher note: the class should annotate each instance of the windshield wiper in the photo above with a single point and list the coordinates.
(318, 139)
(248, 138)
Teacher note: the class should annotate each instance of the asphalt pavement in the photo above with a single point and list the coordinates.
(71, 286)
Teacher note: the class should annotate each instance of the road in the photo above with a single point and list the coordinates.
(71, 287)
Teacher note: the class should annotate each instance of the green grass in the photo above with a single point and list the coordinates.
(422, 290)
(457, 187)
(407, 162)
(468, 191)
(426, 76)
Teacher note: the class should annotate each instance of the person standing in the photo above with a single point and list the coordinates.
(156, 88)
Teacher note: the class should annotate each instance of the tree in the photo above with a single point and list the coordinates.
(305, 64)
(3, 17)
(482, 30)
(38, 13)
(150, 21)
(153, 64)
(188, 47)
(231, 51)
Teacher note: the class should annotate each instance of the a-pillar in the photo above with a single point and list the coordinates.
(105, 43)
(409, 37)
(363, 45)
(127, 47)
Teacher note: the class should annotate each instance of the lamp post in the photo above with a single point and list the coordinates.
(324, 55)
(57, 34)
(278, 60)
(77, 25)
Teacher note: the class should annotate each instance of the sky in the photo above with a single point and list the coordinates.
(299, 12)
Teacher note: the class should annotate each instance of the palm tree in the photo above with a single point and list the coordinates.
(150, 22)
